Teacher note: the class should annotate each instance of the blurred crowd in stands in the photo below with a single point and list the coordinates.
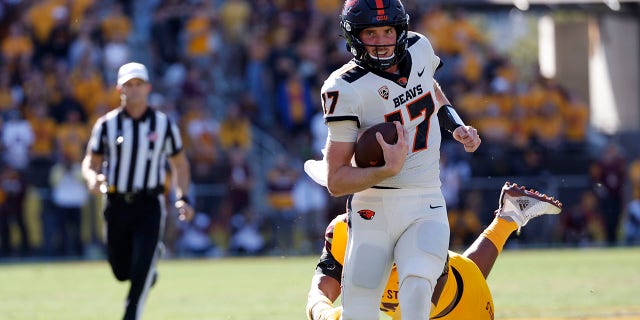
(231, 72)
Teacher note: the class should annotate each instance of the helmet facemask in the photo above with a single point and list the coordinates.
(360, 16)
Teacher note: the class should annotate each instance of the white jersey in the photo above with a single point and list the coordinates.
(366, 97)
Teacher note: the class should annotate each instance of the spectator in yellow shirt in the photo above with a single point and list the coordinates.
(116, 24)
(16, 46)
(72, 136)
(235, 129)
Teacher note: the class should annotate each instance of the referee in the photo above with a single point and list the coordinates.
(125, 159)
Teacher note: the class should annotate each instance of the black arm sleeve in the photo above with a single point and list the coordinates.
(449, 118)
(328, 266)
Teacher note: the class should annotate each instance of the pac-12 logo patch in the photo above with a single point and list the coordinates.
(367, 214)
(384, 92)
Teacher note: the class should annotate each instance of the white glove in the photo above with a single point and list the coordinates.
(320, 307)
(330, 314)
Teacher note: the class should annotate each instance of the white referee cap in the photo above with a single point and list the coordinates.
(132, 70)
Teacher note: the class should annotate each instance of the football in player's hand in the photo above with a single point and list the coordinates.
(368, 152)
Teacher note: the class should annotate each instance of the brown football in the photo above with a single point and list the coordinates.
(368, 152)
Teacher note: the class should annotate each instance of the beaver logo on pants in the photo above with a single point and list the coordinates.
(367, 214)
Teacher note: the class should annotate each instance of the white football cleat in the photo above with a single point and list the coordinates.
(522, 205)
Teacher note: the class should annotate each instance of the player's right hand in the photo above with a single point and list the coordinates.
(330, 314)
(395, 154)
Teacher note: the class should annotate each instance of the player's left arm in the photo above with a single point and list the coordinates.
(451, 121)
(324, 286)
(324, 291)
(182, 178)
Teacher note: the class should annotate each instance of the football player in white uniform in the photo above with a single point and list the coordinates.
(397, 212)
(461, 291)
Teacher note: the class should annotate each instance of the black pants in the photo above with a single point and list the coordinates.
(9, 216)
(134, 232)
(68, 222)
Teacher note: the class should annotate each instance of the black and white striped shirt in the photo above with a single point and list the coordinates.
(135, 151)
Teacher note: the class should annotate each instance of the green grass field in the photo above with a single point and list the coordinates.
(545, 284)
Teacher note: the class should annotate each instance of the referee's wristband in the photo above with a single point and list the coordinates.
(184, 199)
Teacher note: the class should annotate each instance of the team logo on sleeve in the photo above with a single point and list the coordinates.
(366, 214)
(384, 92)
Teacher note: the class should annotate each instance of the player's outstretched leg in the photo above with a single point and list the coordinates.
(516, 206)
(521, 205)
